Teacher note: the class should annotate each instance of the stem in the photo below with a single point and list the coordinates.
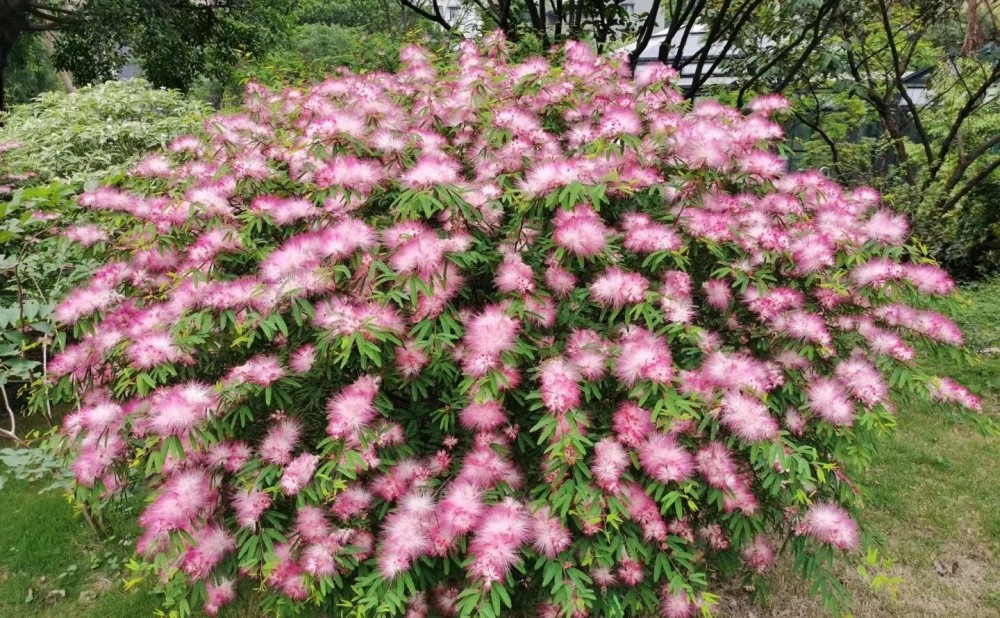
(12, 434)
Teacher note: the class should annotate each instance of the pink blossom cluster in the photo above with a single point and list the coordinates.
(465, 328)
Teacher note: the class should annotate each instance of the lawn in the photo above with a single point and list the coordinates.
(933, 502)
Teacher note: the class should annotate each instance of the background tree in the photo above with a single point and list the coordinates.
(175, 42)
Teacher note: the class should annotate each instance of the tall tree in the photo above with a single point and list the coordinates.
(19, 18)
(174, 41)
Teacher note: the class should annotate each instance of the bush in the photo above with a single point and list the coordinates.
(492, 339)
(50, 149)
(95, 132)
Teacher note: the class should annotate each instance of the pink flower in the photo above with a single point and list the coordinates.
(644, 235)
(560, 281)
(249, 506)
(549, 537)
(514, 275)
(560, 391)
(617, 288)
(353, 409)
(829, 523)
(431, 170)
(718, 293)
(580, 231)
(643, 356)
(178, 409)
(631, 424)
(482, 416)
(280, 441)
(497, 537)
(748, 418)
(298, 473)
(211, 544)
(665, 460)
(610, 461)
(950, 391)
(302, 359)
(828, 400)
(759, 554)
(406, 534)
(863, 380)
(85, 234)
(352, 501)
(218, 594)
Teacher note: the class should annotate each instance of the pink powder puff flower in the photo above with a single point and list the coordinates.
(631, 424)
(610, 461)
(663, 459)
(458, 512)
(549, 537)
(302, 359)
(876, 272)
(406, 534)
(311, 524)
(768, 104)
(676, 604)
(617, 288)
(353, 408)
(249, 506)
(795, 422)
(280, 441)
(759, 554)
(262, 370)
(718, 293)
(588, 352)
(298, 473)
(352, 501)
(482, 416)
(85, 235)
(949, 391)
(603, 577)
(580, 231)
(629, 571)
(828, 399)
(410, 359)
(748, 418)
(211, 544)
(886, 227)
(643, 356)
(153, 349)
(714, 536)
(218, 594)
(431, 170)
(644, 511)
(829, 523)
(496, 540)
(178, 409)
(644, 235)
(863, 380)
(559, 281)
(514, 275)
(929, 279)
(812, 252)
(559, 387)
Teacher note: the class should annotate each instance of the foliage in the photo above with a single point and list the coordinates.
(30, 71)
(95, 132)
(494, 338)
(50, 149)
(175, 43)
(318, 50)
(933, 151)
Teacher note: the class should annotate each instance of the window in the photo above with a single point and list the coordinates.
(629, 7)
(452, 13)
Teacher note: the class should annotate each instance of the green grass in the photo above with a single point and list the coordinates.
(933, 503)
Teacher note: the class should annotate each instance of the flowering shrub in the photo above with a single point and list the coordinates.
(489, 339)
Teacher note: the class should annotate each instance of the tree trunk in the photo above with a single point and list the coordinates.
(974, 36)
(4, 56)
